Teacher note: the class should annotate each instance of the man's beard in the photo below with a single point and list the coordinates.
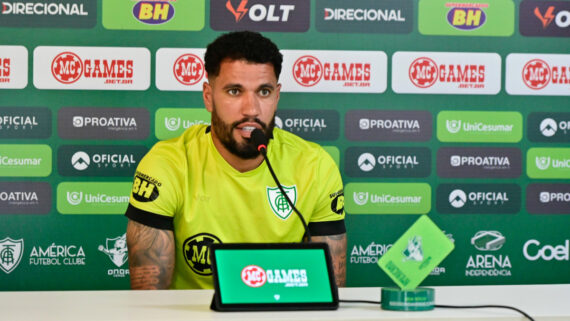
(224, 132)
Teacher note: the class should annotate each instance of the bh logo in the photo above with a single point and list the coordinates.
(153, 12)
(536, 74)
(423, 72)
(465, 18)
(188, 69)
(307, 71)
(67, 67)
(253, 276)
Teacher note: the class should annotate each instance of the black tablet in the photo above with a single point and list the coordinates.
(274, 276)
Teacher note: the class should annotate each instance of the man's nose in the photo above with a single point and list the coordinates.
(250, 105)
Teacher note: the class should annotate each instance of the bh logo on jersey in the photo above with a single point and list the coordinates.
(153, 12)
(307, 71)
(253, 276)
(188, 69)
(278, 202)
(466, 16)
(423, 72)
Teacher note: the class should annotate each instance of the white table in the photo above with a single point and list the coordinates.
(543, 302)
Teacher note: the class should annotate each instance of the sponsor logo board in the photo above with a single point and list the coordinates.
(479, 162)
(93, 197)
(549, 127)
(535, 250)
(48, 14)
(91, 68)
(387, 198)
(446, 73)
(538, 74)
(309, 124)
(479, 126)
(491, 262)
(103, 123)
(466, 18)
(25, 160)
(25, 122)
(388, 161)
(260, 15)
(548, 198)
(172, 122)
(99, 160)
(176, 15)
(544, 18)
(13, 66)
(553, 163)
(334, 71)
(388, 125)
(180, 69)
(116, 250)
(10, 254)
(364, 16)
(478, 198)
(57, 255)
(25, 198)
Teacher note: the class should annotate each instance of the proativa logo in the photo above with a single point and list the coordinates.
(388, 125)
(479, 162)
(548, 198)
(538, 74)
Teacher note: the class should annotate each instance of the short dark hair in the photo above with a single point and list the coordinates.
(246, 45)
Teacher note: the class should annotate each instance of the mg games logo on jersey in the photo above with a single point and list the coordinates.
(172, 122)
(25, 160)
(180, 69)
(387, 161)
(179, 15)
(196, 252)
(538, 74)
(548, 198)
(388, 198)
(479, 126)
(549, 127)
(552, 163)
(260, 15)
(49, 14)
(544, 18)
(334, 71)
(103, 123)
(479, 162)
(364, 16)
(13, 66)
(490, 263)
(112, 160)
(534, 250)
(93, 197)
(116, 250)
(57, 255)
(446, 73)
(93, 68)
(25, 198)
(11, 252)
(309, 124)
(467, 18)
(25, 122)
(388, 125)
(478, 198)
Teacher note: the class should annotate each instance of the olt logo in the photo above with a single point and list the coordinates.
(241, 10)
(466, 18)
(423, 72)
(196, 251)
(253, 276)
(188, 69)
(536, 74)
(153, 12)
(307, 71)
(67, 67)
(143, 190)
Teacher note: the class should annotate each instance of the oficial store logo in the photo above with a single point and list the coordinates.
(488, 265)
(60, 14)
(309, 124)
(13, 66)
(25, 122)
(478, 198)
(548, 198)
(538, 74)
(180, 69)
(99, 160)
(544, 18)
(549, 127)
(25, 198)
(478, 162)
(446, 73)
(388, 125)
(334, 71)
(388, 161)
(95, 68)
(260, 15)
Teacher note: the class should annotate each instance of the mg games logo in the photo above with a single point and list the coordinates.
(177, 15)
(478, 198)
(544, 18)
(388, 161)
(388, 125)
(388, 198)
(93, 197)
(196, 252)
(180, 69)
(25, 198)
(467, 18)
(364, 16)
(549, 127)
(260, 15)
(255, 276)
(534, 250)
(13, 66)
(334, 71)
(172, 122)
(479, 162)
(309, 124)
(49, 14)
(57, 255)
(10, 254)
(25, 122)
(116, 250)
(446, 73)
(99, 160)
(475, 126)
(103, 123)
(490, 264)
(538, 74)
(95, 68)
(548, 198)
(25, 160)
(553, 163)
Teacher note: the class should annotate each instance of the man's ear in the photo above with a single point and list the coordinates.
(207, 96)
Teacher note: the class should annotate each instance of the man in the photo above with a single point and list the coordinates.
(210, 185)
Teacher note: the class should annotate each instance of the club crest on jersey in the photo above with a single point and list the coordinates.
(278, 202)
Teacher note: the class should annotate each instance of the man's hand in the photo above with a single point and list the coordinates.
(337, 246)
(151, 256)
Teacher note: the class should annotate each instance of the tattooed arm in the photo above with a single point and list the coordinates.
(337, 246)
(151, 256)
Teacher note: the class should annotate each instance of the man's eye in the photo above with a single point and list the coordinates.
(233, 91)
(264, 92)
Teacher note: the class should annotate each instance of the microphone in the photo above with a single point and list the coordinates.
(260, 141)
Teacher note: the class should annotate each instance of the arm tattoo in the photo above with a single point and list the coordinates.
(337, 246)
(151, 256)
